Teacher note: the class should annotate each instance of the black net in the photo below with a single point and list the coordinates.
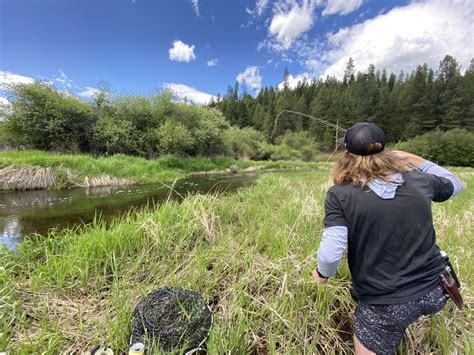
(173, 318)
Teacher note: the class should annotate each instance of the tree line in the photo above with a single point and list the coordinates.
(245, 127)
(404, 105)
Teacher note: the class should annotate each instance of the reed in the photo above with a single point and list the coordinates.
(26, 178)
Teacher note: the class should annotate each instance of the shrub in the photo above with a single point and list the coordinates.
(111, 136)
(299, 146)
(45, 118)
(453, 147)
(208, 132)
(6, 138)
(246, 143)
(174, 138)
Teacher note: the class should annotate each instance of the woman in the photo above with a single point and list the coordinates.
(380, 210)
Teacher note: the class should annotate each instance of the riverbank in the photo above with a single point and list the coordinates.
(250, 254)
(26, 170)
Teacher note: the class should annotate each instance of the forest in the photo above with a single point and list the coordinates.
(404, 106)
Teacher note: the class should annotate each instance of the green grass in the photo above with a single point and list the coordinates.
(71, 170)
(250, 254)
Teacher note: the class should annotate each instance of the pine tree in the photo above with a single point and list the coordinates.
(349, 72)
(451, 99)
(286, 79)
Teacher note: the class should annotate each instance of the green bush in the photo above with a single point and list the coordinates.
(246, 143)
(295, 146)
(174, 138)
(111, 136)
(209, 131)
(45, 118)
(6, 138)
(453, 147)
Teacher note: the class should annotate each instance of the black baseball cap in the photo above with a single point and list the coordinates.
(364, 139)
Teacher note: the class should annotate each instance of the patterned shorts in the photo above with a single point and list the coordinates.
(380, 328)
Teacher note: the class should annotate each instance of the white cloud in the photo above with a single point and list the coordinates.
(181, 52)
(63, 80)
(289, 22)
(250, 78)
(293, 81)
(4, 102)
(342, 7)
(189, 93)
(7, 79)
(5, 108)
(195, 4)
(405, 37)
(260, 7)
(212, 62)
(89, 92)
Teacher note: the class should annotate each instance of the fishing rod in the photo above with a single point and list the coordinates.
(327, 123)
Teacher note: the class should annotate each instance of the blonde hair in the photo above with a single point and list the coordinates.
(359, 170)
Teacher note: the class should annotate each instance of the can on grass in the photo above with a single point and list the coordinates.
(137, 349)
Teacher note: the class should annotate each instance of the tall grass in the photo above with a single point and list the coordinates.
(250, 254)
(79, 169)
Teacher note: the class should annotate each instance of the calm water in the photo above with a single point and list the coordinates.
(29, 212)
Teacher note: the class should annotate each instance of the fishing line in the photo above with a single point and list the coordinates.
(327, 123)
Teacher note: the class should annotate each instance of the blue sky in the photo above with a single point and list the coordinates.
(199, 47)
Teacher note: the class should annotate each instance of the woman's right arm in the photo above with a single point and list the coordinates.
(433, 169)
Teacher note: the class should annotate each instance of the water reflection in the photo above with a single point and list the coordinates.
(29, 212)
(10, 232)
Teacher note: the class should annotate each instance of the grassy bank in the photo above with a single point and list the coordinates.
(249, 254)
(25, 170)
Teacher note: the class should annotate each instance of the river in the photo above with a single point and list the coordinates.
(37, 212)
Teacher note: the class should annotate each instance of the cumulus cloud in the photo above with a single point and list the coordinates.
(289, 22)
(7, 79)
(405, 37)
(89, 92)
(250, 78)
(342, 7)
(181, 52)
(195, 4)
(212, 62)
(184, 92)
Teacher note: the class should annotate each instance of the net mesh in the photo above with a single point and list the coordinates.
(173, 318)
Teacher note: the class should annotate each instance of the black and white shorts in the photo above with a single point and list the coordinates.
(380, 328)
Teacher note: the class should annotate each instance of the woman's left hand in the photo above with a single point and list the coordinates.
(319, 280)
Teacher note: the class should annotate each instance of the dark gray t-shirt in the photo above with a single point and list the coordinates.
(393, 256)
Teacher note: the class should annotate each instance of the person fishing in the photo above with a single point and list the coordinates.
(379, 209)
